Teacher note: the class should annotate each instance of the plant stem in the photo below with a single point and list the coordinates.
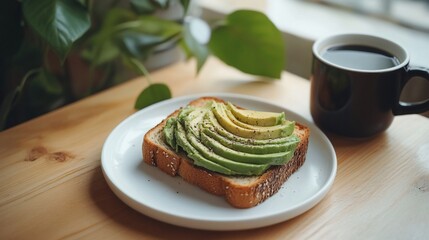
(12, 98)
(89, 5)
(141, 68)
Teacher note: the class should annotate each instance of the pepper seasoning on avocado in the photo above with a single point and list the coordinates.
(232, 141)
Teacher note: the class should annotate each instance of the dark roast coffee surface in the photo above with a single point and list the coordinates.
(360, 57)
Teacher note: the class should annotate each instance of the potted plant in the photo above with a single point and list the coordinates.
(49, 39)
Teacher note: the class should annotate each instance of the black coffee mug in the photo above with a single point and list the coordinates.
(356, 83)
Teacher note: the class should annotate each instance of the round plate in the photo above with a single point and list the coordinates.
(170, 199)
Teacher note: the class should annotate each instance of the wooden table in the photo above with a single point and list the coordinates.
(52, 186)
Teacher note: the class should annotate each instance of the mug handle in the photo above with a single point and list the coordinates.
(414, 107)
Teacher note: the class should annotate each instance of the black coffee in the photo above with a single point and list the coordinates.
(360, 57)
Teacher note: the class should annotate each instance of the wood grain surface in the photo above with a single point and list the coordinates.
(52, 186)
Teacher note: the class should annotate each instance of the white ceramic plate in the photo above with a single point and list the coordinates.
(170, 199)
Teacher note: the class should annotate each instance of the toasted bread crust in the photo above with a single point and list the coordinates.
(239, 195)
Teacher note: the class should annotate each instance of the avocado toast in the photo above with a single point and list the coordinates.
(228, 151)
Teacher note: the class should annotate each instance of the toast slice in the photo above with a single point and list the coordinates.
(239, 191)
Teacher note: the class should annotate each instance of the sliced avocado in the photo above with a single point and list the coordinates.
(242, 168)
(194, 118)
(184, 112)
(211, 122)
(223, 119)
(271, 158)
(215, 139)
(250, 148)
(203, 162)
(181, 139)
(196, 156)
(257, 118)
(168, 131)
(285, 126)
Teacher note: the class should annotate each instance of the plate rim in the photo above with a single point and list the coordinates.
(202, 224)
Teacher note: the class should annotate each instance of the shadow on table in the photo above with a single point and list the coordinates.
(124, 217)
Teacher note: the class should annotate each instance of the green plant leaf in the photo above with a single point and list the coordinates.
(138, 45)
(152, 94)
(58, 22)
(196, 47)
(101, 54)
(185, 49)
(250, 42)
(143, 6)
(185, 5)
(123, 32)
(154, 26)
(138, 38)
(114, 17)
(101, 47)
(162, 3)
